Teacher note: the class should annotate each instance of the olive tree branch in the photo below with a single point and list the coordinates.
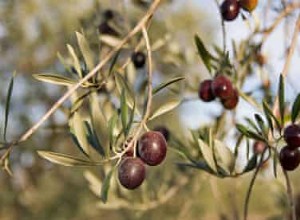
(72, 89)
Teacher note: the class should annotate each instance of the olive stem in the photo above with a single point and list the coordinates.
(223, 27)
(290, 195)
(251, 185)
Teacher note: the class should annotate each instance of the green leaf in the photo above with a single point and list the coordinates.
(296, 108)
(268, 112)
(122, 84)
(248, 133)
(207, 154)
(201, 165)
(106, 185)
(98, 121)
(169, 106)
(269, 118)
(124, 111)
(281, 98)
(203, 52)
(248, 99)
(93, 140)
(180, 148)
(255, 136)
(261, 124)
(76, 62)
(242, 129)
(251, 164)
(111, 41)
(252, 124)
(113, 63)
(55, 79)
(64, 62)
(131, 117)
(65, 160)
(78, 130)
(7, 104)
(111, 127)
(85, 50)
(166, 84)
(224, 156)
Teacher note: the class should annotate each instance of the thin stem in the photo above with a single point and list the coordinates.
(72, 89)
(287, 11)
(290, 195)
(223, 27)
(251, 185)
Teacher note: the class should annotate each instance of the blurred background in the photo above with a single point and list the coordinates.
(31, 34)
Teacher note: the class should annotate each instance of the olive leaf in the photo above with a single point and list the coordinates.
(65, 160)
(85, 50)
(169, 106)
(111, 41)
(98, 121)
(251, 164)
(93, 139)
(106, 185)
(224, 156)
(124, 111)
(122, 84)
(204, 54)
(295, 108)
(281, 98)
(76, 62)
(7, 104)
(166, 84)
(207, 154)
(54, 79)
(269, 114)
(78, 129)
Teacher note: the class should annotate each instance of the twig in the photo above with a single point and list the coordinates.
(223, 27)
(290, 195)
(287, 10)
(249, 192)
(71, 90)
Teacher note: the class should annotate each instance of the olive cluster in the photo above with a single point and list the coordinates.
(220, 87)
(230, 9)
(289, 155)
(151, 150)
